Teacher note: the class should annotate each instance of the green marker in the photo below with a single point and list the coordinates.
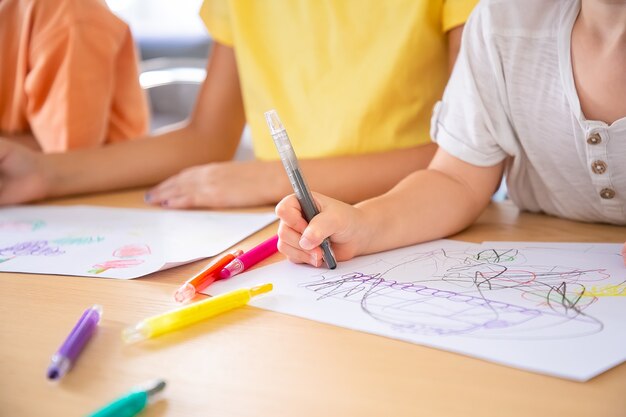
(133, 402)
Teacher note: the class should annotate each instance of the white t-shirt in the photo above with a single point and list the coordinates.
(512, 95)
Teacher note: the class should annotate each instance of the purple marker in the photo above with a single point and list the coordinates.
(70, 349)
(252, 257)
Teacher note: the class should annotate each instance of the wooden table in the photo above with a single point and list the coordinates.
(251, 362)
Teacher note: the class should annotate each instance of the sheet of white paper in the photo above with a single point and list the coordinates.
(518, 307)
(115, 242)
(608, 248)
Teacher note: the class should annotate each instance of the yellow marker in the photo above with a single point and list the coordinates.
(190, 314)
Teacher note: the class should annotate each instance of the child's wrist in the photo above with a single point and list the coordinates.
(367, 226)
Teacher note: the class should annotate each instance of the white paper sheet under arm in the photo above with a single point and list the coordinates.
(114, 242)
(587, 247)
(518, 307)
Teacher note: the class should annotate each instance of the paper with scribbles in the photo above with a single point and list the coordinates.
(558, 312)
(115, 242)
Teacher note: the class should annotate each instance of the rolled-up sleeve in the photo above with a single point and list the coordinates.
(472, 122)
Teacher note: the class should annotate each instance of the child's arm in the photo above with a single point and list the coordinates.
(454, 45)
(24, 139)
(235, 184)
(429, 204)
(212, 134)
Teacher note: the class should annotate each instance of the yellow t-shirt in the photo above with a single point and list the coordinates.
(346, 77)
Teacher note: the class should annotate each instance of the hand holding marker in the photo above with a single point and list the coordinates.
(290, 162)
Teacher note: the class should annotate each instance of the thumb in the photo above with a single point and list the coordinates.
(320, 227)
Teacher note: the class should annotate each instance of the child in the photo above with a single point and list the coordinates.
(344, 75)
(537, 92)
(68, 77)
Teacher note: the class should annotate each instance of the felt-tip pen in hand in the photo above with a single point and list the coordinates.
(64, 358)
(133, 402)
(191, 313)
(204, 278)
(290, 162)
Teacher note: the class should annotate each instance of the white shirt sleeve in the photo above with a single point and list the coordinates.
(472, 121)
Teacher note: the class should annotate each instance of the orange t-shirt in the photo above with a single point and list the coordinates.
(68, 74)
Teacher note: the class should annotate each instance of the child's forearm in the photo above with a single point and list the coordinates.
(355, 178)
(427, 205)
(128, 164)
(211, 134)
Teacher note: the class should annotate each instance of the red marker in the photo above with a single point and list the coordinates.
(204, 278)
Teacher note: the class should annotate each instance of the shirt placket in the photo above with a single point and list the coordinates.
(597, 138)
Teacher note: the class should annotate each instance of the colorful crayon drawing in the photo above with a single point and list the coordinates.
(97, 239)
(117, 263)
(21, 225)
(605, 291)
(30, 248)
(515, 306)
(471, 295)
(132, 250)
(128, 253)
(78, 240)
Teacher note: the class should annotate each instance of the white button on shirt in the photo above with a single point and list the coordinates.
(512, 96)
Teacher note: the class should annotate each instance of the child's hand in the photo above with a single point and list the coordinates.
(624, 253)
(23, 174)
(299, 241)
(218, 185)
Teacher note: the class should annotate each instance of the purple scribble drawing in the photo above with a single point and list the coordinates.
(31, 248)
(467, 293)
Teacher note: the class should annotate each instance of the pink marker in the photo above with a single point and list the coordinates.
(250, 258)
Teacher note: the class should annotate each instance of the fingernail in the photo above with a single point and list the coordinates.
(313, 259)
(306, 243)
